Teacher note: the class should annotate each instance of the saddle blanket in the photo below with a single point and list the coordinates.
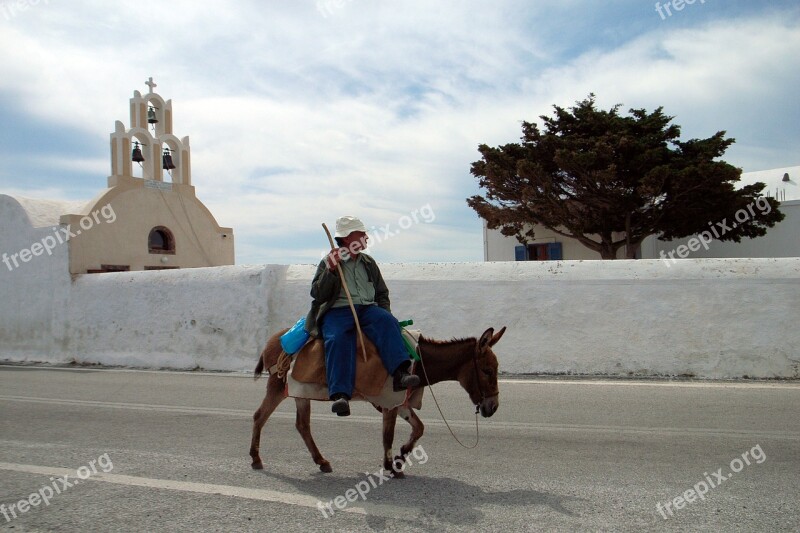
(306, 376)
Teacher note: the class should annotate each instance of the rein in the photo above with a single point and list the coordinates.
(478, 381)
(477, 407)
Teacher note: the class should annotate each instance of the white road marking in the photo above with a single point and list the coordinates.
(646, 383)
(301, 500)
(376, 420)
(57, 368)
(539, 380)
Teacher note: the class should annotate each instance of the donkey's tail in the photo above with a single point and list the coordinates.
(271, 356)
(259, 367)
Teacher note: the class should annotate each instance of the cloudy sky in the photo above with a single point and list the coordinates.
(300, 111)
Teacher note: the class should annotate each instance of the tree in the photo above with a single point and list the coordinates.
(609, 180)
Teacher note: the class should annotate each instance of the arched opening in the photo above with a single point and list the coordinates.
(155, 115)
(161, 241)
(143, 168)
(170, 155)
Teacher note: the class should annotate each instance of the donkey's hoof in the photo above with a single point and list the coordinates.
(326, 467)
(257, 465)
(397, 474)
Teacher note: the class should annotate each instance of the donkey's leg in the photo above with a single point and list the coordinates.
(389, 421)
(272, 399)
(303, 425)
(417, 429)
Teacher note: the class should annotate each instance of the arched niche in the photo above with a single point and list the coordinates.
(162, 110)
(180, 158)
(161, 240)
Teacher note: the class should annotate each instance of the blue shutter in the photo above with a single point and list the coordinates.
(520, 253)
(554, 251)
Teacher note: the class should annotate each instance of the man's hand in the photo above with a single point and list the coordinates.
(335, 257)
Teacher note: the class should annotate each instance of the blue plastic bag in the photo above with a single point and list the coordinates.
(295, 338)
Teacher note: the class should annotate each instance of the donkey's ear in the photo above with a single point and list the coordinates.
(485, 340)
(497, 337)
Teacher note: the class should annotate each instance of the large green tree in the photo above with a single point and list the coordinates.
(610, 180)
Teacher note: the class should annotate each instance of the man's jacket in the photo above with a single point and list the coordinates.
(326, 287)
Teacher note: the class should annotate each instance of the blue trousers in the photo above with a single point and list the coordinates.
(339, 333)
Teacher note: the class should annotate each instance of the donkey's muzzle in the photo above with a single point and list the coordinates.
(489, 406)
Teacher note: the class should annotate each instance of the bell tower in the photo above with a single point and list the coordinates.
(149, 142)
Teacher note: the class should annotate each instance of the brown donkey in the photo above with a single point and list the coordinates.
(469, 361)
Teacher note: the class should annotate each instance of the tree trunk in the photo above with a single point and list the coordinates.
(631, 249)
(628, 236)
(607, 250)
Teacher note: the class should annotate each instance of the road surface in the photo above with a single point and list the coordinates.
(168, 451)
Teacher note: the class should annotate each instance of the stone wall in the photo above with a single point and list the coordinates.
(711, 318)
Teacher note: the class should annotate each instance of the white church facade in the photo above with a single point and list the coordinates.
(143, 222)
(783, 184)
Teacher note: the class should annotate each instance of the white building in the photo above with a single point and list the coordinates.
(781, 240)
(152, 221)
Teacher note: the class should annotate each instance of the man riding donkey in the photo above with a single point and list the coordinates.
(331, 317)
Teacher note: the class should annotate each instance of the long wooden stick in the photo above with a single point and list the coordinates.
(347, 293)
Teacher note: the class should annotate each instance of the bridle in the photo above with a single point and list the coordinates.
(478, 380)
(477, 406)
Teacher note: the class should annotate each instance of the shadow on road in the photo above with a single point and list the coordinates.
(421, 501)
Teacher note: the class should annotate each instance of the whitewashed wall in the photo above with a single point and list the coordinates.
(712, 318)
(708, 318)
(33, 293)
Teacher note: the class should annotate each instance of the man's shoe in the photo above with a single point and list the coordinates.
(404, 380)
(341, 406)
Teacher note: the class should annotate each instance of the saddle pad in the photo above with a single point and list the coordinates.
(386, 398)
(308, 366)
(306, 376)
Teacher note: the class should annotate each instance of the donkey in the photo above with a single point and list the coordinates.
(469, 361)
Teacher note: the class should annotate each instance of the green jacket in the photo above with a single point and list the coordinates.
(326, 287)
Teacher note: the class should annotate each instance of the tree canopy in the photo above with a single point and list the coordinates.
(610, 180)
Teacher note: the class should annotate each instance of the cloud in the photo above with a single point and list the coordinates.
(727, 75)
(297, 116)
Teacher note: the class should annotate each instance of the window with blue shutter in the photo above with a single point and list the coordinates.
(538, 252)
(554, 251)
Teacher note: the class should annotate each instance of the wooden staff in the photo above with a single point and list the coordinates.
(347, 293)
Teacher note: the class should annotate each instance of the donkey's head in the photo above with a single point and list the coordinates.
(478, 376)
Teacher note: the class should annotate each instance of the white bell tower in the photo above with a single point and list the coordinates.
(151, 133)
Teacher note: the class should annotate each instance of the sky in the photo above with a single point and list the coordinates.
(301, 111)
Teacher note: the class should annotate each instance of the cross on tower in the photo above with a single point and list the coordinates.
(150, 83)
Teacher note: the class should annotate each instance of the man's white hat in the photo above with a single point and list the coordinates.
(348, 224)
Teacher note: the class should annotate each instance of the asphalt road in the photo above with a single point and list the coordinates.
(168, 451)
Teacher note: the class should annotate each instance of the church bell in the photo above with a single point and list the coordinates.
(151, 115)
(166, 160)
(136, 154)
